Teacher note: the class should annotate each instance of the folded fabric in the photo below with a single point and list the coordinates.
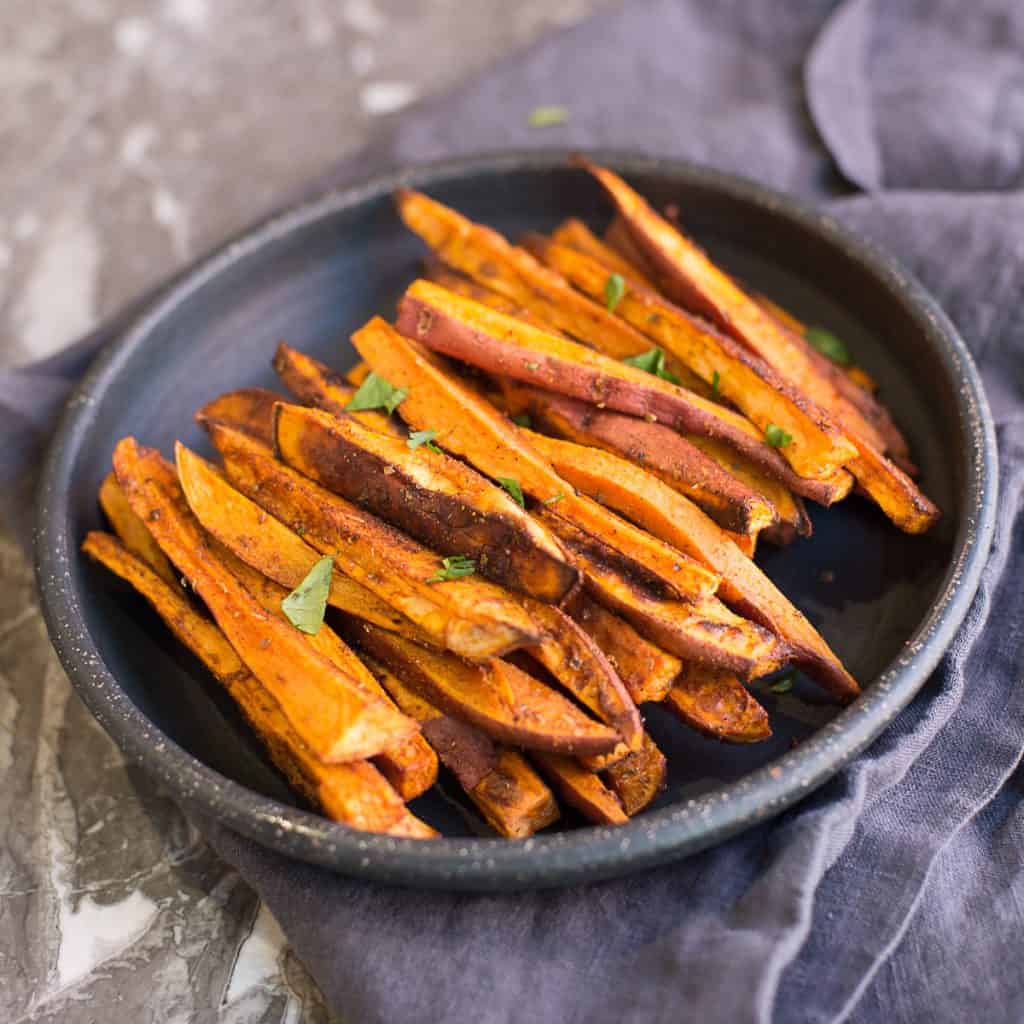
(895, 892)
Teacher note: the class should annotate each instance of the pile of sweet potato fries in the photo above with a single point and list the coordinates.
(531, 508)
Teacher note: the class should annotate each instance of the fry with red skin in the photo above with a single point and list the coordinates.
(498, 344)
(469, 616)
(326, 707)
(717, 704)
(431, 496)
(645, 669)
(741, 378)
(499, 699)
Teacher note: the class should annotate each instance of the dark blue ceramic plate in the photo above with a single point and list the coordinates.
(887, 602)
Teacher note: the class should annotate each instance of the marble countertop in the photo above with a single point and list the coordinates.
(138, 133)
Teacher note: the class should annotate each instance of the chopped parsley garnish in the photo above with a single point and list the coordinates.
(306, 604)
(418, 437)
(543, 117)
(828, 345)
(783, 685)
(513, 488)
(716, 379)
(376, 393)
(653, 362)
(454, 568)
(614, 289)
(553, 499)
(776, 436)
(523, 420)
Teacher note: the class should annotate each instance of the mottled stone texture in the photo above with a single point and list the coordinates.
(136, 134)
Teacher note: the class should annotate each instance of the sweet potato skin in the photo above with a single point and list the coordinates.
(315, 384)
(470, 616)
(325, 706)
(645, 669)
(355, 794)
(816, 448)
(705, 632)
(744, 586)
(717, 704)
(473, 333)
(498, 699)
(431, 496)
(639, 778)
(728, 501)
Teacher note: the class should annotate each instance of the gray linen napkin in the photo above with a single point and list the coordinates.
(895, 892)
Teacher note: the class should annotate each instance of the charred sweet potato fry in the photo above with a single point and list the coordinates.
(269, 546)
(410, 764)
(744, 586)
(498, 698)
(313, 383)
(815, 449)
(248, 409)
(688, 277)
(326, 707)
(498, 344)
(579, 665)
(581, 788)
(429, 495)
(355, 794)
(468, 615)
(488, 258)
(132, 531)
(705, 632)
(576, 235)
(646, 671)
(718, 704)
(505, 789)
(728, 500)
(639, 778)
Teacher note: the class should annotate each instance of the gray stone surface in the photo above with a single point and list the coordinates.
(135, 135)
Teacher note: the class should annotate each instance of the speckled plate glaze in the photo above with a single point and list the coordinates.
(890, 604)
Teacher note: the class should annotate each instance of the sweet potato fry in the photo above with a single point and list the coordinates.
(132, 531)
(639, 778)
(706, 632)
(269, 546)
(465, 330)
(355, 794)
(744, 586)
(325, 706)
(431, 496)
(576, 235)
(410, 764)
(469, 426)
(716, 703)
(688, 277)
(488, 258)
(646, 671)
(469, 616)
(618, 238)
(499, 699)
(816, 447)
(313, 383)
(729, 501)
(581, 788)
(247, 409)
(506, 790)
(579, 665)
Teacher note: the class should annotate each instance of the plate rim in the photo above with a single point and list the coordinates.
(592, 852)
